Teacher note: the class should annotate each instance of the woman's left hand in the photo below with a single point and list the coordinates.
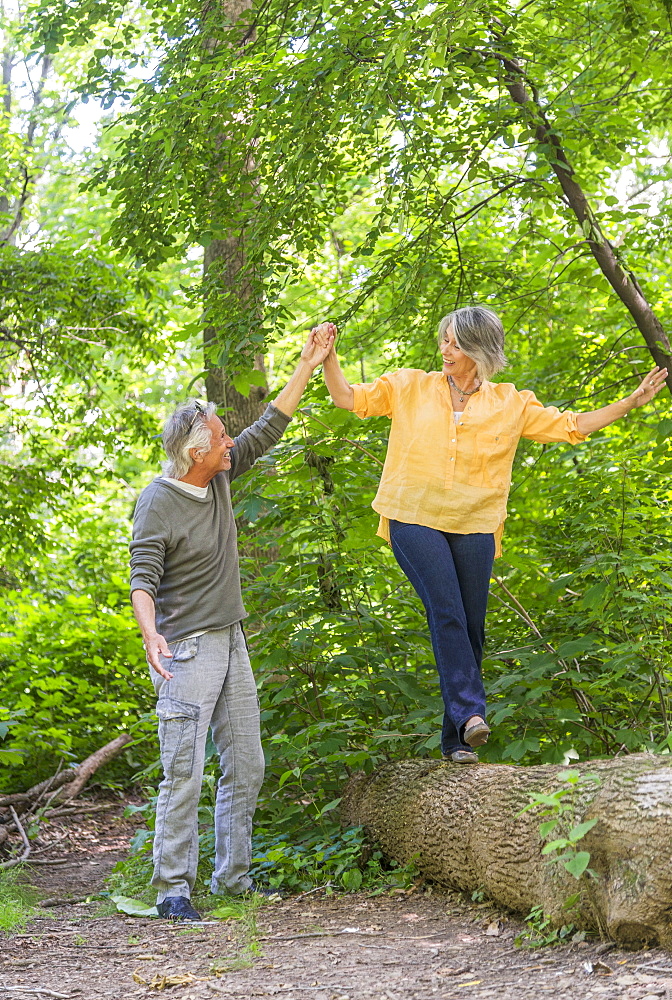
(649, 387)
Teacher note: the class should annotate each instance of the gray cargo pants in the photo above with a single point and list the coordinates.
(212, 686)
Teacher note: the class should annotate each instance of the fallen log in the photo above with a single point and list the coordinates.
(89, 767)
(463, 827)
(62, 787)
(75, 777)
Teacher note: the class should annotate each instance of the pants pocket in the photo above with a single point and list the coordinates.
(178, 722)
(185, 649)
(182, 650)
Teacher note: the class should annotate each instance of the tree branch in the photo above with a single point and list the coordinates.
(623, 281)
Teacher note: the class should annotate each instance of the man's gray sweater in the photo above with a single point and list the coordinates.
(184, 552)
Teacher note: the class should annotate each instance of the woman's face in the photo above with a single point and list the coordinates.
(455, 361)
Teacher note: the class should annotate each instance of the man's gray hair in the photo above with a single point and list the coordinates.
(480, 335)
(185, 429)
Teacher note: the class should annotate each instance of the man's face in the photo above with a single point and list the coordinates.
(218, 459)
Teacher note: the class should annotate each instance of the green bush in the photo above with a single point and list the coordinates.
(73, 676)
(340, 860)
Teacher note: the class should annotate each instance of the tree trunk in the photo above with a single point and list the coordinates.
(238, 411)
(463, 827)
(225, 260)
(623, 281)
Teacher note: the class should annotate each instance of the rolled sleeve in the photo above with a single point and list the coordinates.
(548, 424)
(373, 399)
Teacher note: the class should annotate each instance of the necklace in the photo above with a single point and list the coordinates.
(462, 392)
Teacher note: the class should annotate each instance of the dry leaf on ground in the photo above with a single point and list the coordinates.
(160, 982)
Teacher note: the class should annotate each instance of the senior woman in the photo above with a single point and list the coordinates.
(443, 491)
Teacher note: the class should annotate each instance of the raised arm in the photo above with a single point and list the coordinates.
(339, 388)
(595, 420)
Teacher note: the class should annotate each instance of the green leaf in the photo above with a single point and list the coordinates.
(571, 777)
(243, 381)
(329, 806)
(227, 912)
(134, 907)
(352, 879)
(594, 596)
(575, 646)
(581, 829)
(555, 845)
(577, 865)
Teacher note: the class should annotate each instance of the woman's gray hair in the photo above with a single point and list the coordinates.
(185, 429)
(480, 335)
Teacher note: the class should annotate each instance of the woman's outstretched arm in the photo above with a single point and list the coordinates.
(339, 388)
(595, 420)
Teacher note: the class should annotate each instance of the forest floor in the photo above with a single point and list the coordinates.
(410, 945)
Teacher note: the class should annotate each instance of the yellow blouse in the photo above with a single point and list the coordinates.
(454, 477)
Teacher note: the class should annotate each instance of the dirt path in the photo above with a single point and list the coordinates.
(408, 946)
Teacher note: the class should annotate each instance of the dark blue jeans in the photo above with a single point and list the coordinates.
(451, 575)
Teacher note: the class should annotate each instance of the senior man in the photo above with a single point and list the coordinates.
(186, 595)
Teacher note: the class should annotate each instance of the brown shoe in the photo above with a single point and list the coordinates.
(477, 734)
(461, 757)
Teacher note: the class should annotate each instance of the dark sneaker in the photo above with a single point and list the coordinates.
(461, 757)
(177, 908)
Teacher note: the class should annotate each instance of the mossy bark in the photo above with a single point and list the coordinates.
(463, 826)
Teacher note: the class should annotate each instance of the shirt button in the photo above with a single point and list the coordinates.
(453, 440)
(452, 459)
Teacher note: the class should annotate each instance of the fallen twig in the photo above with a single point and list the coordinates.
(66, 901)
(27, 846)
(308, 893)
(48, 847)
(313, 934)
(79, 808)
(46, 789)
(426, 937)
(44, 935)
(54, 861)
(387, 947)
(276, 989)
(37, 989)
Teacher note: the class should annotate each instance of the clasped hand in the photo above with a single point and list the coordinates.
(319, 344)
